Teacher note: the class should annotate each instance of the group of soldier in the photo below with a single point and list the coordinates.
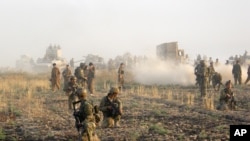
(86, 114)
(205, 75)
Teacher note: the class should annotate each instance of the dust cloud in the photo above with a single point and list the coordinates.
(156, 72)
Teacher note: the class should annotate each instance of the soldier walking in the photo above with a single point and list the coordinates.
(237, 73)
(55, 77)
(71, 91)
(67, 73)
(90, 79)
(85, 119)
(203, 74)
(121, 77)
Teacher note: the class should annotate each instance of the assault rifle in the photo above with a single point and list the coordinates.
(77, 116)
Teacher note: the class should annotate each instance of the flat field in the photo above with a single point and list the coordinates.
(30, 111)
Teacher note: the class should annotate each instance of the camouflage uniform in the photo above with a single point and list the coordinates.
(211, 72)
(227, 99)
(91, 76)
(55, 77)
(86, 123)
(111, 107)
(248, 74)
(203, 74)
(237, 73)
(216, 80)
(79, 73)
(72, 92)
(121, 76)
(67, 73)
(198, 78)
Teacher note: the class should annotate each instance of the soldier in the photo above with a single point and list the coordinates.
(203, 74)
(216, 81)
(72, 63)
(85, 119)
(248, 74)
(121, 77)
(227, 99)
(217, 63)
(111, 107)
(237, 73)
(79, 73)
(55, 77)
(197, 67)
(91, 76)
(72, 91)
(67, 73)
(211, 72)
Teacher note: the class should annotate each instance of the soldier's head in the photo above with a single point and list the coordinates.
(113, 92)
(82, 93)
(91, 64)
(202, 62)
(228, 84)
(82, 65)
(67, 65)
(73, 79)
(237, 61)
(54, 64)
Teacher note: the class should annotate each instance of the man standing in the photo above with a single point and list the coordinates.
(55, 77)
(211, 72)
(79, 73)
(67, 73)
(121, 77)
(91, 76)
(203, 73)
(237, 73)
(111, 107)
(248, 74)
(86, 120)
(71, 91)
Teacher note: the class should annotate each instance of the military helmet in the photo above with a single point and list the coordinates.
(82, 92)
(228, 82)
(113, 90)
(73, 78)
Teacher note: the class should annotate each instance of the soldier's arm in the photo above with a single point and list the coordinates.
(102, 105)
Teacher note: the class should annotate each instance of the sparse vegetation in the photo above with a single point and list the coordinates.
(29, 111)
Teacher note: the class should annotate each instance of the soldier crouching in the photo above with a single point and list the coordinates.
(111, 107)
(227, 98)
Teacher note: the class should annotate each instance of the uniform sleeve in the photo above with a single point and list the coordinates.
(88, 110)
(102, 106)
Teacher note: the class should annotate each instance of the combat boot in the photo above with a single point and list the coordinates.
(117, 124)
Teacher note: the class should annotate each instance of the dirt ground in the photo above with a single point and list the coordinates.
(147, 116)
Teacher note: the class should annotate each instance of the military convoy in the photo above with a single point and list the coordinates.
(170, 52)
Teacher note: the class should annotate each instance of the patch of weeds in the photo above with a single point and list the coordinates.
(181, 137)
(134, 136)
(158, 113)
(2, 134)
(158, 129)
(203, 135)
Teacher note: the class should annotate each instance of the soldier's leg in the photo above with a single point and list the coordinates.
(70, 100)
(235, 80)
(107, 122)
(248, 78)
(240, 80)
(117, 121)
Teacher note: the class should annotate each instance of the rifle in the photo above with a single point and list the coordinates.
(77, 116)
(114, 111)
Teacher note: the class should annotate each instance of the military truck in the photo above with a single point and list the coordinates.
(52, 55)
(170, 52)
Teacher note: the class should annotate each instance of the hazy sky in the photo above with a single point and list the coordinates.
(217, 28)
